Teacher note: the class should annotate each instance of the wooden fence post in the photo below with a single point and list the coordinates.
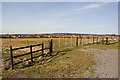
(51, 47)
(43, 49)
(102, 40)
(11, 56)
(106, 40)
(97, 39)
(93, 40)
(31, 53)
(77, 41)
(80, 40)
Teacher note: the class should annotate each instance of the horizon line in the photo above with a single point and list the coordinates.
(64, 32)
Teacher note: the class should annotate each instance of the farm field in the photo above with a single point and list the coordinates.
(58, 44)
(67, 61)
(66, 40)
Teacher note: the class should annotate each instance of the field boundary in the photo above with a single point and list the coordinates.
(50, 47)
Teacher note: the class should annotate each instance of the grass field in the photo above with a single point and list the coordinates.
(65, 62)
(63, 42)
(58, 44)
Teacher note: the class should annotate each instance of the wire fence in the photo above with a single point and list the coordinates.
(58, 43)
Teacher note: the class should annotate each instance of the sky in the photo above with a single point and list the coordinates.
(59, 17)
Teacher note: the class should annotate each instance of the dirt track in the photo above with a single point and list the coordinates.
(106, 63)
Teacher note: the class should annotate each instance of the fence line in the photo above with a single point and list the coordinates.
(50, 47)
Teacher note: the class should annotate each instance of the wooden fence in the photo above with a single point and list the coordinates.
(50, 49)
(31, 52)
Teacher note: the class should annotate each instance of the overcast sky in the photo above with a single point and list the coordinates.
(49, 17)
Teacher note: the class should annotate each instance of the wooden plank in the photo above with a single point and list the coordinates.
(36, 45)
(26, 47)
(21, 48)
(21, 55)
(29, 53)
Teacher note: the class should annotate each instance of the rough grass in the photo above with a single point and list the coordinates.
(20, 42)
(114, 45)
(67, 63)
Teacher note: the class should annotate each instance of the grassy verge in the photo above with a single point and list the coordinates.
(63, 64)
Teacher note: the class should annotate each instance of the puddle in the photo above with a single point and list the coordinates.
(106, 63)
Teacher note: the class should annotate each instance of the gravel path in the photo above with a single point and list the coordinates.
(106, 63)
